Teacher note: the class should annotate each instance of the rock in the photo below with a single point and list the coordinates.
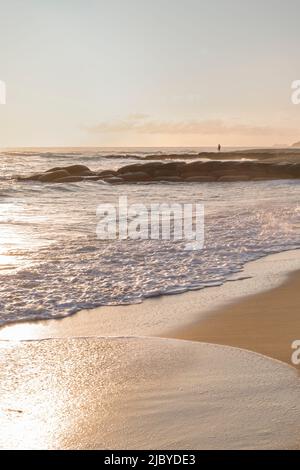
(73, 170)
(91, 178)
(295, 170)
(169, 169)
(70, 179)
(152, 167)
(56, 168)
(171, 179)
(199, 179)
(196, 171)
(130, 168)
(34, 177)
(234, 178)
(259, 178)
(51, 177)
(106, 173)
(193, 169)
(114, 180)
(149, 168)
(136, 177)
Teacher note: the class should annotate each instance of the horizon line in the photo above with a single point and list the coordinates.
(140, 146)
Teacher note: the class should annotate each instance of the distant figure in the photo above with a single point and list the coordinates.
(219, 148)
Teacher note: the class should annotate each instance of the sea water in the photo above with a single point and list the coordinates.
(52, 264)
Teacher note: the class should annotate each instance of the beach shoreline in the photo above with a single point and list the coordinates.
(170, 315)
(81, 380)
(267, 323)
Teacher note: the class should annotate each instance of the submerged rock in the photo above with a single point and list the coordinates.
(106, 173)
(197, 171)
(234, 178)
(131, 168)
(51, 177)
(136, 176)
(70, 179)
(114, 180)
(171, 179)
(73, 170)
(199, 179)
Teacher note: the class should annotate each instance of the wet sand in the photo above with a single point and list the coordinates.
(267, 323)
(96, 392)
(144, 393)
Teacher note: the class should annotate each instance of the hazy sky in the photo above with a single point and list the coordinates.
(149, 72)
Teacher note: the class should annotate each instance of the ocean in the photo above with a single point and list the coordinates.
(52, 264)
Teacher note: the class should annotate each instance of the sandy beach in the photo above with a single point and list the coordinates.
(95, 391)
(144, 393)
(267, 323)
(149, 227)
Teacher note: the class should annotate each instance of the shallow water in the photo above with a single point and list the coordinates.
(52, 264)
(111, 393)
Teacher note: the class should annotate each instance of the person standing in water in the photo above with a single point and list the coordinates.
(219, 148)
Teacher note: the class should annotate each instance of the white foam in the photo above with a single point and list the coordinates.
(164, 315)
(54, 237)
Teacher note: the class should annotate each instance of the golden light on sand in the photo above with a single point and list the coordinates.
(111, 393)
(26, 411)
(21, 331)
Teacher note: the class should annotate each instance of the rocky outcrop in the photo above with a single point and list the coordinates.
(73, 170)
(107, 173)
(70, 179)
(196, 171)
(114, 180)
(52, 176)
(199, 179)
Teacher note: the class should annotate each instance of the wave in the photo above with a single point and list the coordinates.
(53, 238)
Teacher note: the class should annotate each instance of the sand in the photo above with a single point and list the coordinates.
(133, 391)
(150, 393)
(267, 323)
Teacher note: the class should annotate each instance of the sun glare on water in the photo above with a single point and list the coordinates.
(14, 238)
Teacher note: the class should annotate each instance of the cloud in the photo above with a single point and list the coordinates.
(140, 124)
(137, 117)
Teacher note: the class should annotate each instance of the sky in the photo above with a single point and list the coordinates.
(149, 73)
